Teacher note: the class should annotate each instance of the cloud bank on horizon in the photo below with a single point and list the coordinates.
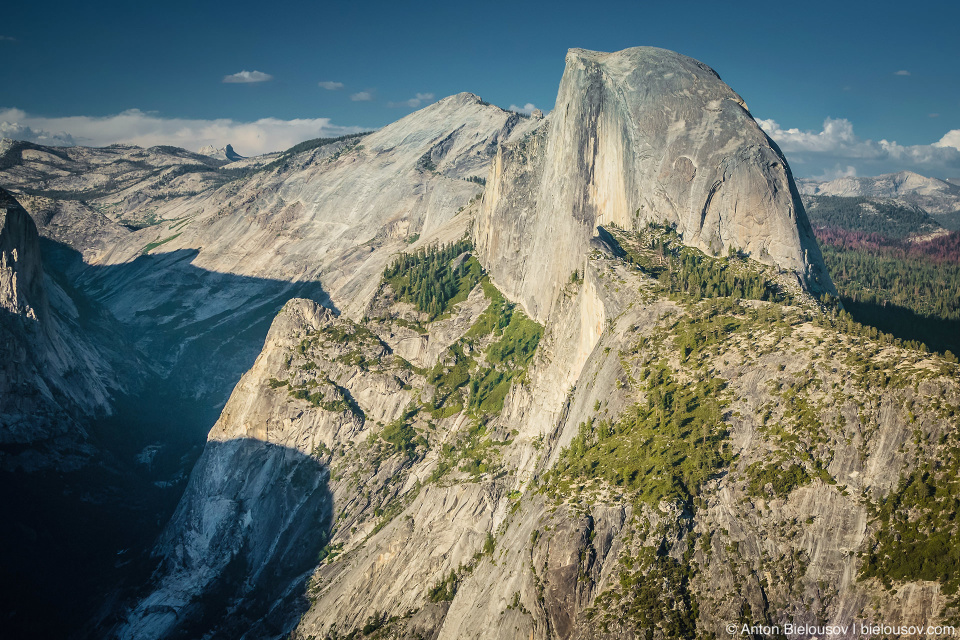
(146, 130)
(834, 151)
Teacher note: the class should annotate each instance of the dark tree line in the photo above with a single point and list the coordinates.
(869, 268)
(430, 281)
(908, 289)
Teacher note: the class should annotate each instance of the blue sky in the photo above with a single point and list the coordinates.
(72, 69)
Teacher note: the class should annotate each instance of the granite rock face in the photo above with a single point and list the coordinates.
(21, 270)
(52, 375)
(196, 261)
(337, 496)
(638, 136)
(226, 153)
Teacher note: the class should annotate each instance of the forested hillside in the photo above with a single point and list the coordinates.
(910, 289)
(885, 216)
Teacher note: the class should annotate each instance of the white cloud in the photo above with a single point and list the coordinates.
(950, 139)
(527, 108)
(17, 131)
(837, 144)
(7, 39)
(902, 72)
(362, 96)
(149, 129)
(331, 86)
(413, 103)
(837, 172)
(837, 135)
(246, 77)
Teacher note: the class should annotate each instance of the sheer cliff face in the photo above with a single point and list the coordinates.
(21, 272)
(641, 135)
(51, 374)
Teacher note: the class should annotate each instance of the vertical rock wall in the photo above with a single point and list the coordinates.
(641, 135)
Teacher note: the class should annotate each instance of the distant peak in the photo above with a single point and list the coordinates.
(463, 98)
(225, 153)
(231, 154)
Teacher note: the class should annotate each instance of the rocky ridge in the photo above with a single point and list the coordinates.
(937, 197)
(762, 438)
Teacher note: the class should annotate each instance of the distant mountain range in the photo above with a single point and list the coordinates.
(939, 198)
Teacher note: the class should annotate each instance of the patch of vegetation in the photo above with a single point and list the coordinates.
(663, 449)
(426, 163)
(445, 589)
(329, 552)
(652, 596)
(781, 481)
(401, 434)
(153, 245)
(471, 453)
(917, 538)
(695, 333)
(659, 252)
(508, 357)
(846, 323)
(430, 281)
(449, 374)
(283, 160)
(516, 338)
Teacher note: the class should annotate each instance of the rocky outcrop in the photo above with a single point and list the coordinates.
(21, 271)
(226, 153)
(642, 135)
(52, 376)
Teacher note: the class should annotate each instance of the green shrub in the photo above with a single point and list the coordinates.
(781, 481)
(427, 279)
(665, 448)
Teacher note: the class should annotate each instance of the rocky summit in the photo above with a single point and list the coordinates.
(482, 375)
(638, 136)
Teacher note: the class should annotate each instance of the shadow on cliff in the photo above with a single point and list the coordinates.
(71, 539)
(938, 334)
(256, 515)
(197, 329)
